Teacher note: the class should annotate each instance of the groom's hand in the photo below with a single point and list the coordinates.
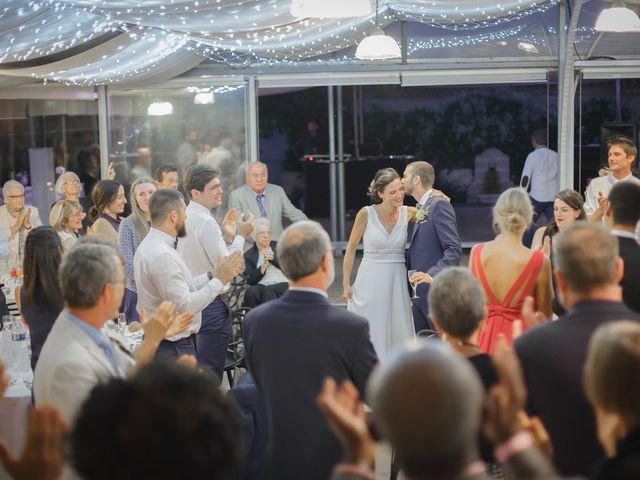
(420, 277)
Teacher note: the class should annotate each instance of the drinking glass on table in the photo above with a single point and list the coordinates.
(414, 285)
(122, 323)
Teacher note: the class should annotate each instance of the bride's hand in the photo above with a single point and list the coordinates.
(347, 293)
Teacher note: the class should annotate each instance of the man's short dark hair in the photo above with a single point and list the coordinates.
(539, 136)
(163, 202)
(167, 422)
(424, 171)
(624, 199)
(625, 143)
(158, 175)
(197, 177)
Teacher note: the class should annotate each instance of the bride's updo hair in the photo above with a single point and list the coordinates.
(513, 211)
(383, 177)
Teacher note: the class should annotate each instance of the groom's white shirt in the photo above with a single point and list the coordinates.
(425, 197)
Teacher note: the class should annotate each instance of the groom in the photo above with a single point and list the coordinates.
(435, 244)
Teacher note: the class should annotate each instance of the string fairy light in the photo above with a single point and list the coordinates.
(228, 32)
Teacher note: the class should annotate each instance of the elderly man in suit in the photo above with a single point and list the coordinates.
(264, 199)
(622, 216)
(435, 243)
(16, 218)
(79, 353)
(588, 270)
(292, 343)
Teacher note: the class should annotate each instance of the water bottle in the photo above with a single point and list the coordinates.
(20, 348)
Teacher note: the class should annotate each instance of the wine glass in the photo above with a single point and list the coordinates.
(413, 284)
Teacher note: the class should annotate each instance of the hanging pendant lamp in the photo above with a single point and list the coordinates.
(377, 45)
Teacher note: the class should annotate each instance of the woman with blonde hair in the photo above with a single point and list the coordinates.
(66, 219)
(380, 292)
(132, 230)
(508, 271)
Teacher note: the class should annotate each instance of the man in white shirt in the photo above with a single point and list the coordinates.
(622, 153)
(16, 218)
(540, 179)
(161, 274)
(203, 245)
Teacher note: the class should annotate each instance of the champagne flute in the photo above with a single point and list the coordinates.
(122, 323)
(414, 285)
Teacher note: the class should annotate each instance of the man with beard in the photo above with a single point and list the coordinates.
(161, 274)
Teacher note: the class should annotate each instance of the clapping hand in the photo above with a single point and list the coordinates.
(165, 322)
(229, 267)
(111, 172)
(228, 224)
(347, 419)
(43, 454)
(245, 226)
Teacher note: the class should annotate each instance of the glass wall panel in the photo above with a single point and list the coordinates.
(476, 137)
(41, 139)
(178, 127)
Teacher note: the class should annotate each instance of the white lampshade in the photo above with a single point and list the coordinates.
(378, 46)
(203, 98)
(157, 109)
(330, 8)
(618, 19)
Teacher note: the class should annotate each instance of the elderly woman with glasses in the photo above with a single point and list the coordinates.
(68, 187)
(262, 270)
(66, 219)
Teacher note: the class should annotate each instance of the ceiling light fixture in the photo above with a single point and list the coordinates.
(527, 47)
(330, 8)
(618, 18)
(377, 45)
(203, 98)
(158, 109)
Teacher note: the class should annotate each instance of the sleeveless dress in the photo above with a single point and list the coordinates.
(502, 314)
(380, 292)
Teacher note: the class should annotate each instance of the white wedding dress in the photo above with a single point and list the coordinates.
(380, 292)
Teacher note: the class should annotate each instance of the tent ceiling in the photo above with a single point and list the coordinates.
(89, 42)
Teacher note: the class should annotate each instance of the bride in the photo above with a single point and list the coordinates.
(380, 293)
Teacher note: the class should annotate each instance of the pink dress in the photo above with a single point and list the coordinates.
(502, 314)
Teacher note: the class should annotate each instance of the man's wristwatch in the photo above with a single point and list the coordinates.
(210, 275)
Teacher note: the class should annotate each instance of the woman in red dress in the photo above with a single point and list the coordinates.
(509, 271)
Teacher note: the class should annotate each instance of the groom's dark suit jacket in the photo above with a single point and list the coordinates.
(292, 344)
(434, 246)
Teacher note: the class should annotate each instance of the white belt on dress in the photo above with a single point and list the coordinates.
(387, 255)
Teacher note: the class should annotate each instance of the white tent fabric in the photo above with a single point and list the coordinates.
(90, 42)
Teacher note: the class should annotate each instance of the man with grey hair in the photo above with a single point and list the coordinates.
(263, 199)
(588, 271)
(292, 343)
(79, 352)
(16, 218)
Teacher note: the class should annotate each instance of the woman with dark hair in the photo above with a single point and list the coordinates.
(380, 292)
(108, 203)
(132, 230)
(568, 207)
(40, 295)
